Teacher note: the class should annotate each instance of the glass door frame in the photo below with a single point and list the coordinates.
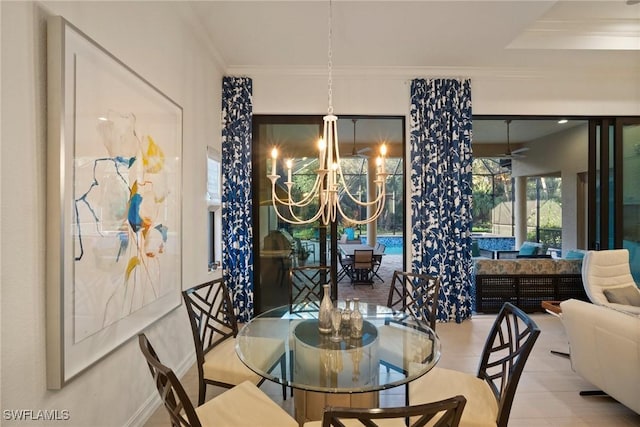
(605, 202)
(328, 235)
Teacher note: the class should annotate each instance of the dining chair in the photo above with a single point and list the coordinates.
(491, 392)
(214, 328)
(444, 413)
(305, 287)
(362, 267)
(416, 294)
(305, 292)
(243, 405)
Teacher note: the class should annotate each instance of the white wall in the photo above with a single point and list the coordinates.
(153, 40)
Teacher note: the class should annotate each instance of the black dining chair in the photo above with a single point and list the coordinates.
(444, 413)
(416, 294)
(490, 393)
(214, 328)
(305, 287)
(243, 405)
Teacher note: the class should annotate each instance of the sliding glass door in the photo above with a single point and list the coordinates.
(280, 245)
(614, 203)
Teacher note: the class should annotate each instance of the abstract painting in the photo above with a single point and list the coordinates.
(114, 203)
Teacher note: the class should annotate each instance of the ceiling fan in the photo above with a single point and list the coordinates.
(354, 151)
(513, 154)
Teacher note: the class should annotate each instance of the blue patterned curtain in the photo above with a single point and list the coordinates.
(441, 189)
(237, 230)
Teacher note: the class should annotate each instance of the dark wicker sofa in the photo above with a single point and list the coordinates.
(525, 283)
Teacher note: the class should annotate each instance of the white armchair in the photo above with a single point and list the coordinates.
(607, 280)
(605, 349)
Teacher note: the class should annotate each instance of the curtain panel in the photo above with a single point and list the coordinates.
(441, 157)
(237, 229)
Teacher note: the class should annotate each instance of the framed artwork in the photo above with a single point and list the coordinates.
(114, 192)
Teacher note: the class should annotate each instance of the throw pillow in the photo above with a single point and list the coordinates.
(572, 254)
(528, 248)
(627, 295)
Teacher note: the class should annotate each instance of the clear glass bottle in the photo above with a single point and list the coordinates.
(356, 319)
(346, 316)
(324, 315)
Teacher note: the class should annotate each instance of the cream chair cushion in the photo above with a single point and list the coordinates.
(439, 383)
(243, 405)
(223, 364)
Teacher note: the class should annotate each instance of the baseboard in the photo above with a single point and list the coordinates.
(153, 402)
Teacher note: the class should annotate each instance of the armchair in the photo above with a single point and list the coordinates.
(607, 280)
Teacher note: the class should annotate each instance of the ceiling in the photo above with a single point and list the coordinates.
(379, 35)
(425, 37)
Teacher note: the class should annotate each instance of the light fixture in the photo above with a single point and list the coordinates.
(330, 186)
(563, 121)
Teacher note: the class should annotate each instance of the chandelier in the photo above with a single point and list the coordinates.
(330, 187)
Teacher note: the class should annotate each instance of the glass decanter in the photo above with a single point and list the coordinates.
(346, 316)
(356, 319)
(324, 314)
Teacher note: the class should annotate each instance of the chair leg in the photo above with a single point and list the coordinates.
(283, 373)
(202, 391)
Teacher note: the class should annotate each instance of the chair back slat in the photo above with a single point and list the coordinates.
(445, 413)
(211, 315)
(173, 395)
(505, 353)
(416, 294)
(305, 287)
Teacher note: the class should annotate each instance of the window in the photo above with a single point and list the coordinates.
(214, 199)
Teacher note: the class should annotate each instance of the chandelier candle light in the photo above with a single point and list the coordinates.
(329, 186)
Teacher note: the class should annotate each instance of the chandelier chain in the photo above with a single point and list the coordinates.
(330, 59)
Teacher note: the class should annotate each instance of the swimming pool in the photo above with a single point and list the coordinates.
(394, 244)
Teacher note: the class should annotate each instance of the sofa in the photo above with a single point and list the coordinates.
(605, 349)
(525, 282)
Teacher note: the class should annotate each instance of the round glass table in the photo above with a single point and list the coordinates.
(394, 349)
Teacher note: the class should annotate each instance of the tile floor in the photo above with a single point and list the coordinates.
(547, 393)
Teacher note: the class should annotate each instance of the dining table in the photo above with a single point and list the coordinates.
(348, 249)
(337, 369)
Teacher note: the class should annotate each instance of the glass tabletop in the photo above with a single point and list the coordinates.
(393, 350)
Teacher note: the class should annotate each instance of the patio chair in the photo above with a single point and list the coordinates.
(490, 393)
(214, 328)
(377, 259)
(243, 405)
(346, 266)
(362, 267)
(445, 413)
